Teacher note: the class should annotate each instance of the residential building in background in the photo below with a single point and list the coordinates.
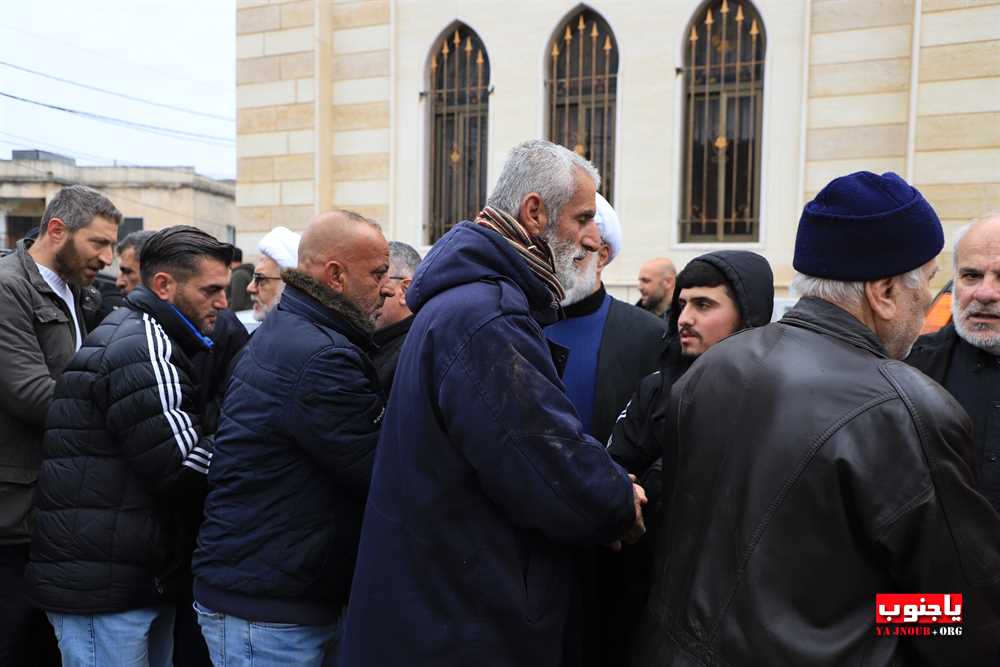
(148, 197)
(712, 122)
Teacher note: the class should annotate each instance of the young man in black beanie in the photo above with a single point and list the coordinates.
(813, 472)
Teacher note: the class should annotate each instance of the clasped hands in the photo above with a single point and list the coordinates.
(638, 529)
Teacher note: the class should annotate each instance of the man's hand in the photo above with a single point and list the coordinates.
(638, 529)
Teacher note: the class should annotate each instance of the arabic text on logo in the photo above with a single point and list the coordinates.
(918, 614)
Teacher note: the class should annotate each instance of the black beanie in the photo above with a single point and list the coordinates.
(864, 227)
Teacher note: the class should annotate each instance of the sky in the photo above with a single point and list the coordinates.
(179, 53)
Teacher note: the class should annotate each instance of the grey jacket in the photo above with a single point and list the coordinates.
(36, 343)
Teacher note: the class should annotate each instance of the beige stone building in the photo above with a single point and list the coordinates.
(148, 197)
(712, 122)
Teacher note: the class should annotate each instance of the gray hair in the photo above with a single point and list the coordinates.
(77, 206)
(846, 293)
(960, 234)
(403, 259)
(135, 241)
(543, 167)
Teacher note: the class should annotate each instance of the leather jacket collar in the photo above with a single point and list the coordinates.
(831, 320)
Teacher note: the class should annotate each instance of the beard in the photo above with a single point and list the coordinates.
(71, 267)
(204, 324)
(977, 335)
(563, 255)
(585, 276)
(264, 310)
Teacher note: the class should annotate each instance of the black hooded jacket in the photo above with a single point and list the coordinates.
(639, 437)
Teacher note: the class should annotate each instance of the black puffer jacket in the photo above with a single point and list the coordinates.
(812, 473)
(123, 450)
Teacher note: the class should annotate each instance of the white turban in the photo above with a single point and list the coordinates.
(607, 223)
(282, 245)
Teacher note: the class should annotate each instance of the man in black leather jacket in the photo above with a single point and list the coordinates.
(813, 471)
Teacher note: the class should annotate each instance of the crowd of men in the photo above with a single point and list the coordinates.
(483, 458)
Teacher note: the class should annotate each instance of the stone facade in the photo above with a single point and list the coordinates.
(912, 87)
(331, 111)
(311, 141)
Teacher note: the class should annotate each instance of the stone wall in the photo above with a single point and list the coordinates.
(313, 111)
(919, 95)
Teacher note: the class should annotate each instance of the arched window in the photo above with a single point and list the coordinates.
(724, 84)
(459, 74)
(582, 82)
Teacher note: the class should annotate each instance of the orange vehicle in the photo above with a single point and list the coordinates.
(940, 313)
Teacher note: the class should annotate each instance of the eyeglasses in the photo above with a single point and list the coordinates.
(398, 278)
(260, 278)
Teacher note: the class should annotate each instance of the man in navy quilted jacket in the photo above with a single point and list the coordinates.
(293, 457)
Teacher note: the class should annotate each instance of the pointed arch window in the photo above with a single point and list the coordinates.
(582, 83)
(459, 75)
(724, 84)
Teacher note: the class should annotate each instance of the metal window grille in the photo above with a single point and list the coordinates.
(459, 95)
(582, 85)
(724, 83)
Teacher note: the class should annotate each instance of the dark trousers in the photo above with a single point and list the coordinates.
(26, 637)
(190, 649)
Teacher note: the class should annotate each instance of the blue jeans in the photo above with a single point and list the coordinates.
(237, 642)
(136, 638)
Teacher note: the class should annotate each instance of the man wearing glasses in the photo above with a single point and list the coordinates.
(394, 318)
(279, 249)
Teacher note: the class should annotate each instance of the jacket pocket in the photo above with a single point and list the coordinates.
(17, 494)
(50, 315)
(55, 335)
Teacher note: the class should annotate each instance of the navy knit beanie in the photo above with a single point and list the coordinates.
(865, 227)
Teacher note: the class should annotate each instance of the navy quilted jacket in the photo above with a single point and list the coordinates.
(292, 465)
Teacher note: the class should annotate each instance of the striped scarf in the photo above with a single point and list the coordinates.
(536, 252)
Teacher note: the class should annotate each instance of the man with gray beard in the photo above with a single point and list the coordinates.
(612, 345)
(485, 482)
(964, 357)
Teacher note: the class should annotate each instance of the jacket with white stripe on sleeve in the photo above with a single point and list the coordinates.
(123, 453)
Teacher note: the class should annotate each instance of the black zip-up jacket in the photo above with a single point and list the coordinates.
(812, 473)
(124, 450)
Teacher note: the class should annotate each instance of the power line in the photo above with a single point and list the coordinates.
(135, 66)
(152, 129)
(182, 214)
(116, 94)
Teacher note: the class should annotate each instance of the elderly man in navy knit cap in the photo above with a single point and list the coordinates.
(835, 474)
